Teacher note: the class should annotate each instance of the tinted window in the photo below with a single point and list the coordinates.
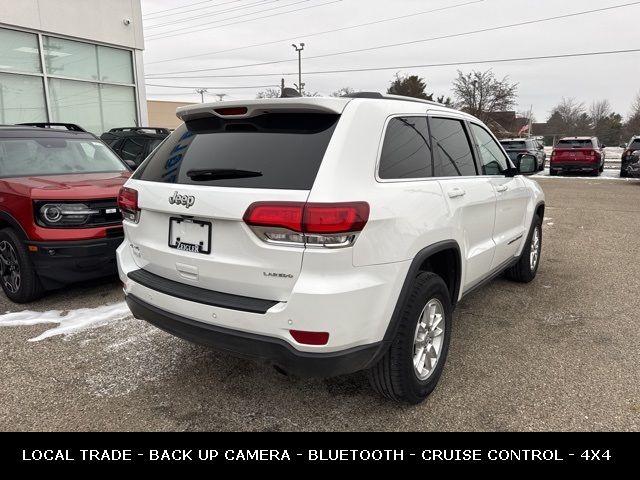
(281, 151)
(55, 156)
(514, 145)
(493, 160)
(132, 149)
(635, 145)
(575, 144)
(406, 151)
(451, 150)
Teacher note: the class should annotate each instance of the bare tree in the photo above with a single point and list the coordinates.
(342, 92)
(599, 111)
(481, 93)
(632, 125)
(269, 93)
(570, 117)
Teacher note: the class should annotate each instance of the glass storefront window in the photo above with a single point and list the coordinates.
(21, 99)
(118, 107)
(67, 58)
(115, 65)
(76, 102)
(19, 51)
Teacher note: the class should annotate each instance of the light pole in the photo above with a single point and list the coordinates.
(299, 49)
(201, 91)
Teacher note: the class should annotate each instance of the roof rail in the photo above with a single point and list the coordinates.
(137, 129)
(381, 96)
(56, 126)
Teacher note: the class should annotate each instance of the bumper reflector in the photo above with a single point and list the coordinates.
(310, 338)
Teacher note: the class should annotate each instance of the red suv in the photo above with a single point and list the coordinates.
(59, 220)
(577, 154)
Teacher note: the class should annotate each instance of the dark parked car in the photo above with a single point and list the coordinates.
(134, 143)
(516, 147)
(627, 155)
(577, 154)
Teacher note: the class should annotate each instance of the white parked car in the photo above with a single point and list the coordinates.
(326, 235)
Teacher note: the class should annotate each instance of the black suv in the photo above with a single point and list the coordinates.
(134, 143)
(627, 155)
(516, 147)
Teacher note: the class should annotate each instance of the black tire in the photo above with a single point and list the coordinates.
(623, 173)
(601, 168)
(553, 173)
(394, 376)
(522, 271)
(596, 172)
(27, 286)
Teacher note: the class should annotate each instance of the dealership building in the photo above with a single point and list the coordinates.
(75, 61)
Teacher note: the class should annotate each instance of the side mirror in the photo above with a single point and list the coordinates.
(602, 145)
(131, 164)
(528, 164)
(623, 146)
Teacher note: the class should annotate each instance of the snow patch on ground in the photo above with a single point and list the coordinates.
(74, 321)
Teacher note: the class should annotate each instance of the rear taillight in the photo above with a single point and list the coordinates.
(128, 204)
(627, 152)
(330, 225)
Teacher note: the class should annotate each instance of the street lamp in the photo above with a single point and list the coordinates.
(299, 49)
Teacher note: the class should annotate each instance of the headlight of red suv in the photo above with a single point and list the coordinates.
(64, 214)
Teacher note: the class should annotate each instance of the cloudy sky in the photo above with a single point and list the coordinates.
(191, 43)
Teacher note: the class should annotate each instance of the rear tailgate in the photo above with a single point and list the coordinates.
(578, 151)
(195, 189)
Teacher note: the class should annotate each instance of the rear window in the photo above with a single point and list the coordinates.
(276, 151)
(513, 145)
(574, 144)
(21, 157)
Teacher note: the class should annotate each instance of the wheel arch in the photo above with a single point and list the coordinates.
(442, 258)
(7, 220)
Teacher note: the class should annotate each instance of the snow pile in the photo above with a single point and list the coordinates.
(74, 321)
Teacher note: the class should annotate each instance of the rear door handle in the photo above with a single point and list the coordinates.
(456, 192)
(502, 188)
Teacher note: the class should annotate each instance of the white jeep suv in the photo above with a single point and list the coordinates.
(326, 235)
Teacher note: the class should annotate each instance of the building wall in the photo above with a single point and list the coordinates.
(163, 114)
(96, 20)
(75, 61)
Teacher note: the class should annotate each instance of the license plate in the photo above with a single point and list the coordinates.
(190, 235)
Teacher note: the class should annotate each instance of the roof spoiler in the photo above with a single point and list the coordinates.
(55, 126)
(159, 130)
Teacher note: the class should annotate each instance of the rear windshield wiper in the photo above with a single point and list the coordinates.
(220, 174)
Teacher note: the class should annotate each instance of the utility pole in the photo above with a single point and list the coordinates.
(201, 91)
(299, 49)
(282, 87)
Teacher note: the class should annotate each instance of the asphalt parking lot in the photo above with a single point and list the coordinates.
(561, 353)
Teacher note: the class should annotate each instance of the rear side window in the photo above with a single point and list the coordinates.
(406, 151)
(276, 151)
(451, 149)
(635, 145)
(575, 143)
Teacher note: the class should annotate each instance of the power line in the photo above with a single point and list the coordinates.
(212, 88)
(224, 19)
(185, 6)
(317, 33)
(430, 65)
(211, 14)
(247, 20)
(411, 42)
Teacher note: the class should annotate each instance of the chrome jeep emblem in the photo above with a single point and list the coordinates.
(186, 200)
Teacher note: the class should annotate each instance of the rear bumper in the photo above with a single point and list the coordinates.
(61, 263)
(575, 166)
(268, 349)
